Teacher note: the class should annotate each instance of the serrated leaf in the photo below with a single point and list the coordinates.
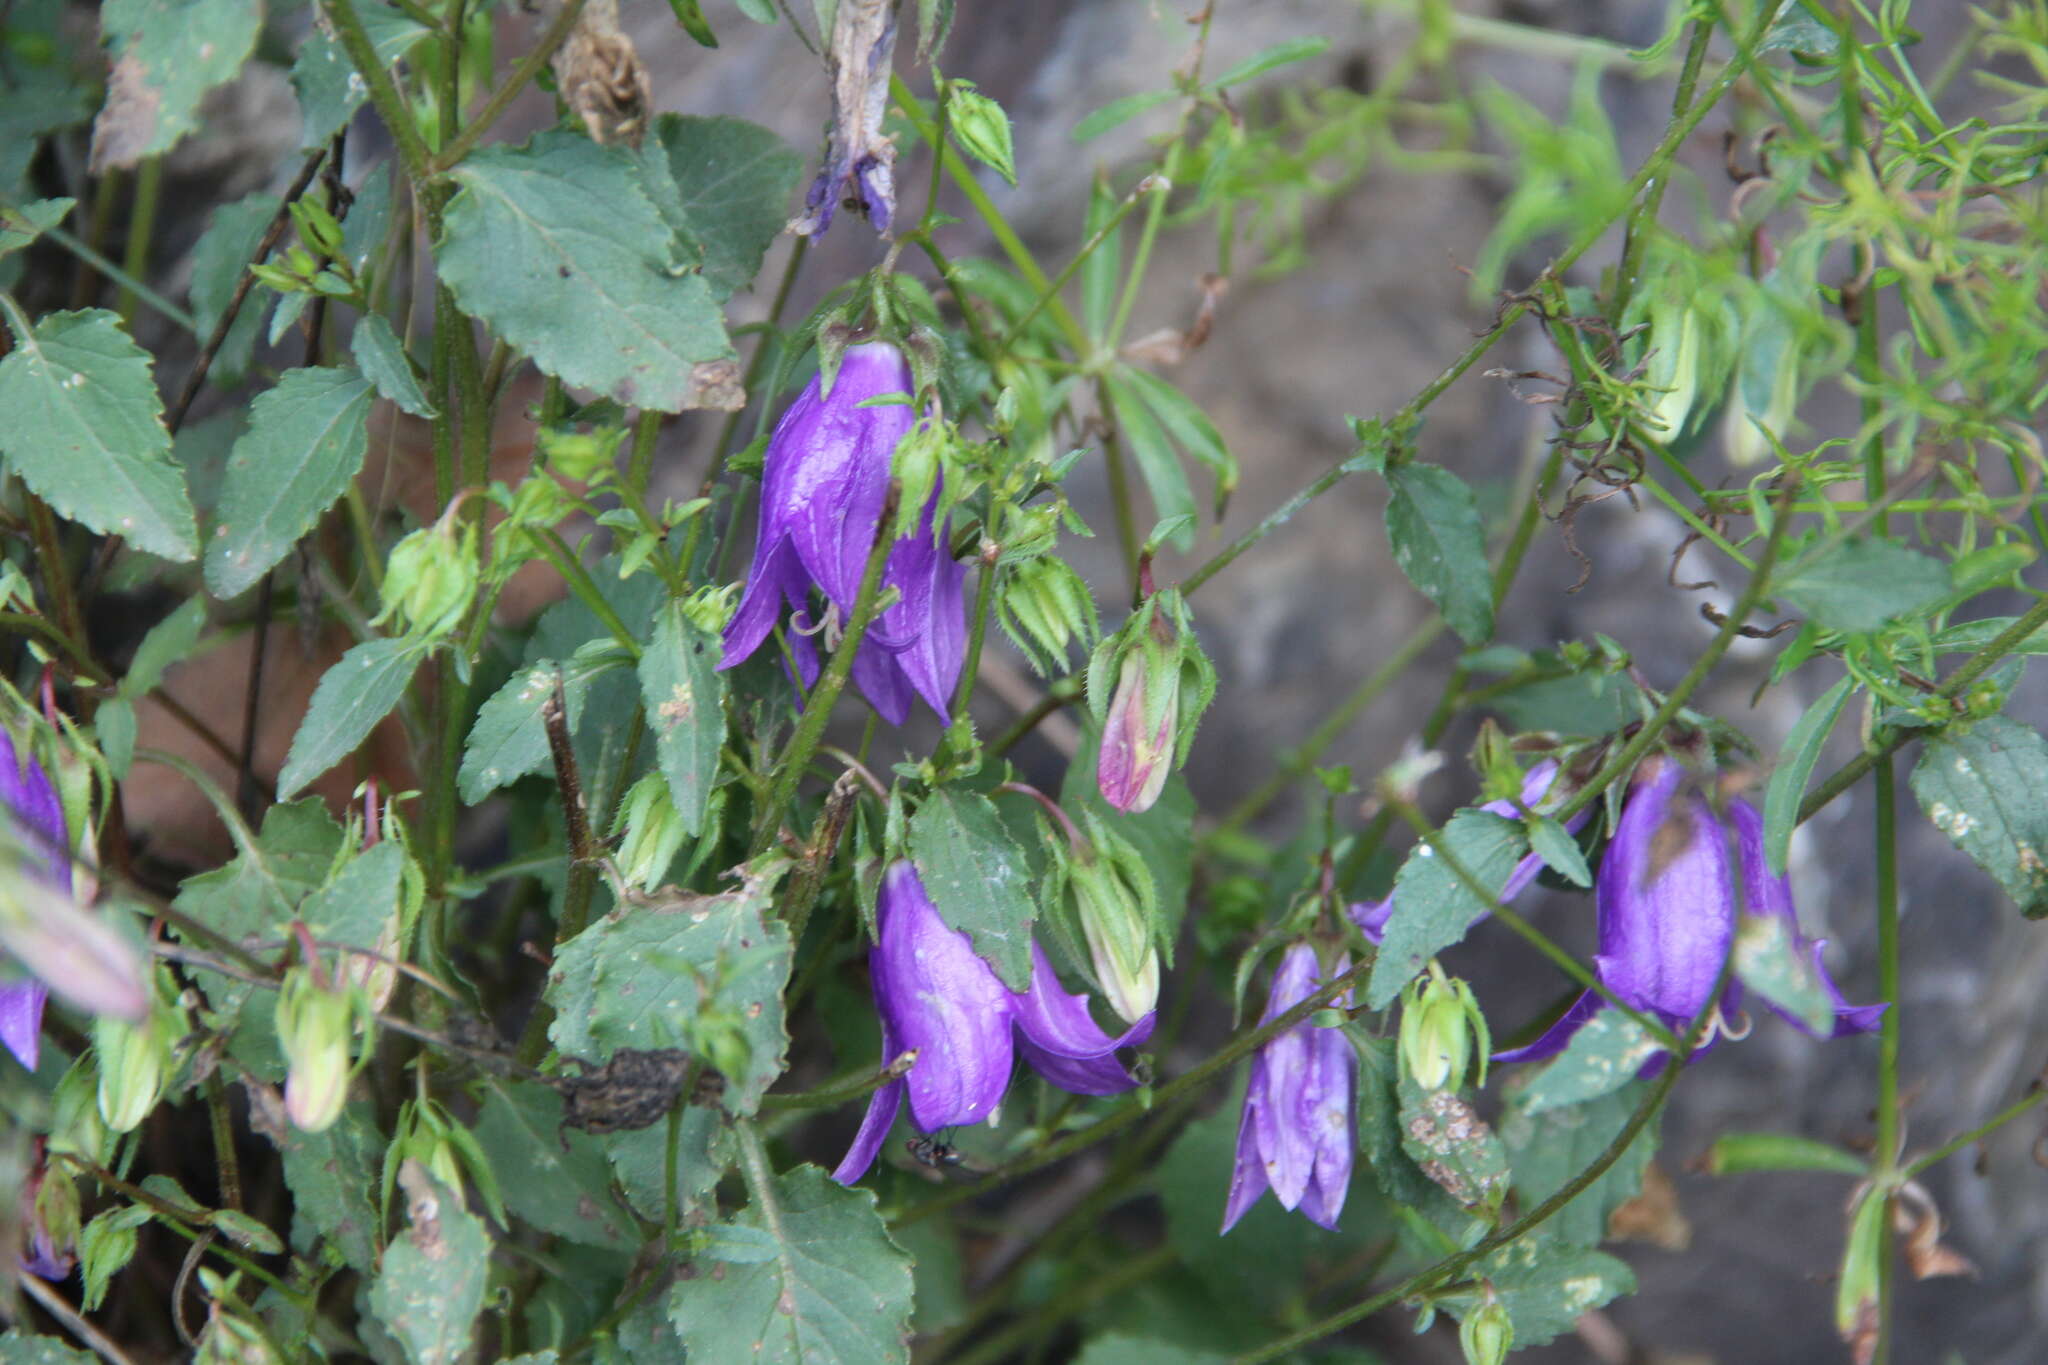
(1548, 1151)
(380, 355)
(1560, 852)
(685, 698)
(639, 1158)
(507, 740)
(1787, 788)
(247, 1231)
(304, 444)
(332, 1175)
(977, 877)
(169, 641)
(359, 900)
(219, 261)
(837, 1292)
(1986, 787)
(330, 90)
(1769, 962)
(557, 1179)
(657, 974)
(21, 225)
(1454, 1147)
(166, 55)
(1858, 585)
(1432, 905)
(1433, 525)
(733, 180)
(85, 431)
(356, 693)
(431, 1286)
(105, 1246)
(557, 246)
(1605, 1054)
(1545, 1287)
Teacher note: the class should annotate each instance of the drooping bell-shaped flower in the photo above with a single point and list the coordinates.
(1668, 903)
(939, 999)
(1371, 916)
(41, 927)
(1300, 1122)
(824, 483)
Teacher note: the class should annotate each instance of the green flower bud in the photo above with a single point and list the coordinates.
(581, 456)
(1487, 1333)
(1440, 1022)
(708, 609)
(134, 1061)
(1045, 608)
(75, 1123)
(1115, 920)
(430, 578)
(653, 832)
(316, 1031)
(55, 1212)
(981, 127)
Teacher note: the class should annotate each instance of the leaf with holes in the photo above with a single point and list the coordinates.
(85, 430)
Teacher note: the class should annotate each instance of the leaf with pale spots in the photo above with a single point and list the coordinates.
(1455, 1148)
(21, 1348)
(1547, 1151)
(701, 973)
(508, 740)
(977, 877)
(1544, 1286)
(166, 55)
(85, 431)
(685, 698)
(431, 1286)
(304, 444)
(1769, 962)
(1604, 1055)
(1985, 786)
(836, 1290)
(1433, 905)
(555, 1179)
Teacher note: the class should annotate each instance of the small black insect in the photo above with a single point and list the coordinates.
(931, 1151)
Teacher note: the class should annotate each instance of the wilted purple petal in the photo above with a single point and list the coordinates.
(858, 154)
(1331, 1119)
(21, 1019)
(940, 998)
(27, 792)
(1062, 1041)
(1666, 899)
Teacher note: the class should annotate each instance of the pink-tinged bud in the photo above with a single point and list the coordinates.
(315, 1028)
(1136, 757)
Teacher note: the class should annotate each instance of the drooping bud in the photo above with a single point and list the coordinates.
(981, 126)
(315, 1030)
(52, 1212)
(75, 1123)
(430, 578)
(1440, 1022)
(135, 1060)
(1163, 684)
(1487, 1333)
(653, 830)
(1112, 898)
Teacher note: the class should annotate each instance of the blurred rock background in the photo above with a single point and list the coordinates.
(1378, 305)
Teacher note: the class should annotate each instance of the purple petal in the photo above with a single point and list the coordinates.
(1248, 1172)
(882, 681)
(832, 456)
(874, 1129)
(1666, 898)
(777, 577)
(877, 191)
(1764, 894)
(1558, 1034)
(1063, 1042)
(1535, 784)
(1331, 1118)
(1371, 917)
(1285, 1140)
(26, 792)
(936, 995)
(21, 1019)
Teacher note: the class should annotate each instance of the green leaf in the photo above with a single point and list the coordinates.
(690, 15)
(85, 431)
(330, 90)
(1432, 905)
(1545, 1287)
(1787, 788)
(1548, 1151)
(105, 1246)
(837, 1291)
(169, 641)
(1433, 525)
(1102, 269)
(1858, 585)
(564, 1192)
(20, 226)
(431, 1286)
(23, 1348)
(977, 877)
(1559, 850)
(166, 54)
(557, 246)
(332, 1176)
(380, 355)
(1970, 636)
(357, 692)
(304, 444)
(679, 972)
(114, 728)
(733, 179)
(1164, 835)
(248, 1232)
(219, 261)
(1379, 1134)
(360, 900)
(1121, 1348)
(1768, 961)
(1737, 1153)
(639, 1157)
(1278, 55)
(1158, 460)
(1455, 1148)
(508, 740)
(685, 698)
(1118, 112)
(1986, 787)
(1604, 1055)
(1189, 427)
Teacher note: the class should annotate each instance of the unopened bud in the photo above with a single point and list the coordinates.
(1137, 737)
(315, 1030)
(1046, 607)
(1115, 914)
(1674, 364)
(981, 126)
(653, 831)
(54, 1221)
(430, 578)
(1163, 684)
(1440, 1021)
(1487, 1333)
(134, 1060)
(708, 609)
(580, 456)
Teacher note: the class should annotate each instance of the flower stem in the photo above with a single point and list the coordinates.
(1888, 1128)
(529, 66)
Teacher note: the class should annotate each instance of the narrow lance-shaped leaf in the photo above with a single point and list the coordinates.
(357, 692)
(1787, 788)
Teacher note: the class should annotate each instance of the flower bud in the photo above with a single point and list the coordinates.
(709, 609)
(580, 456)
(53, 1215)
(75, 1123)
(315, 1030)
(1487, 1333)
(980, 125)
(430, 578)
(1046, 607)
(653, 831)
(1674, 364)
(1137, 738)
(1114, 909)
(1439, 1021)
(1163, 684)
(134, 1061)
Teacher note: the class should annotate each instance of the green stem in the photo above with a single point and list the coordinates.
(1886, 1157)
(501, 99)
(641, 467)
(961, 734)
(1643, 218)
(818, 707)
(1060, 281)
(1155, 212)
(384, 92)
(584, 586)
(141, 227)
(128, 282)
(2017, 1109)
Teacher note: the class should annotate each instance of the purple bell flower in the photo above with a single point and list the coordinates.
(823, 485)
(1371, 916)
(1300, 1123)
(1667, 898)
(38, 816)
(937, 997)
